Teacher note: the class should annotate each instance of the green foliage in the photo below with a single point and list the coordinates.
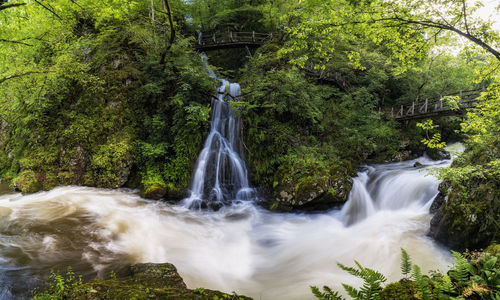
(421, 283)
(83, 113)
(371, 288)
(405, 262)
(58, 285)
(473, 208)
(476, 274)
(327, 294)
(429, 128)
(312, 132)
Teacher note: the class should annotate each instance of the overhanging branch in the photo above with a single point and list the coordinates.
(5, 6)
(2, 80)
(15, 42)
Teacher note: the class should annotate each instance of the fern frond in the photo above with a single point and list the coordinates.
(461, 270)
(372, 285)
(442, 287)
(478, 289)
(422, 283)
(405, 262)
(350, 270)
(328, 293)
(351, 291)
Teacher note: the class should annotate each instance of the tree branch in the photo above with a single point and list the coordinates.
(2, 80)
(5, 6)
(468, 36)
(48, 9)
(465, 17)
(15, 42)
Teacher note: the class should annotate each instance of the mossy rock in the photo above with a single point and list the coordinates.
(403, 290)
(315, 192)
(438, 154)
(28, 182)
(468, 218)
(141, 281)
(155, 191)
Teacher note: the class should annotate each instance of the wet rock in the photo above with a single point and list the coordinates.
(78, 162)
(401, 156)
(417, 165)
(438, 154)
(437, 203)
(155, 192)
(315, 193)
(465, 215)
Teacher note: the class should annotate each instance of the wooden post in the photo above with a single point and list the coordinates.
(231, 37)
(253, 36)
(411, 111)
(460, 95)
(392, 112)
(401, 111)
(441, 104)
(423, 108)
(214, 39)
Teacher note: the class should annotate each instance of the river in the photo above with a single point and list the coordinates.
(240, 247)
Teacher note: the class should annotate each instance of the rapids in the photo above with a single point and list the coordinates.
(240, 247)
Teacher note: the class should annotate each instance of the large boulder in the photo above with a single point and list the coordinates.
(315, 192)
(438, 154)
(466, 216)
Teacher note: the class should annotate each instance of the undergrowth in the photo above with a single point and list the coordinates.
(474, 275)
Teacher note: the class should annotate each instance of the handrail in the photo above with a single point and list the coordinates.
(435, 107)
(232, 37)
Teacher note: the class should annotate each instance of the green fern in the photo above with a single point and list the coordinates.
(353, 292)
(422, 283)
(461, 271)
(372, 285)
(405, 262)
(443, 287)
(327, 294)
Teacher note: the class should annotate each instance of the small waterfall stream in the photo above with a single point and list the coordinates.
(221, 175)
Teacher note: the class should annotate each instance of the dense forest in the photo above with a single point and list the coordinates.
(114, 93)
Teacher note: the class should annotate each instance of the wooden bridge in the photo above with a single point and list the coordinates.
(231, 39)
(437, 107)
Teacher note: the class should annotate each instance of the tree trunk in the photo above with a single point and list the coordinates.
(172, 30)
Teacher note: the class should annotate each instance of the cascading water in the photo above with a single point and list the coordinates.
(241, 248)
(387, 187)
(221, 176)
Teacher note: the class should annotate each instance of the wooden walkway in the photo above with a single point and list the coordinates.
(215, 41)
(437, 107)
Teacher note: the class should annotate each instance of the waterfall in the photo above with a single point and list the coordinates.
(221, 175)
(390, 187)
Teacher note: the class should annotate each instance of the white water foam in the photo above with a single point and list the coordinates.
(240, 248)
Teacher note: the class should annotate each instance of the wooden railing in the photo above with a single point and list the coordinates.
(231, 39)
(436, 107)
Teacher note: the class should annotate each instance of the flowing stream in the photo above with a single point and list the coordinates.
(240, 247)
